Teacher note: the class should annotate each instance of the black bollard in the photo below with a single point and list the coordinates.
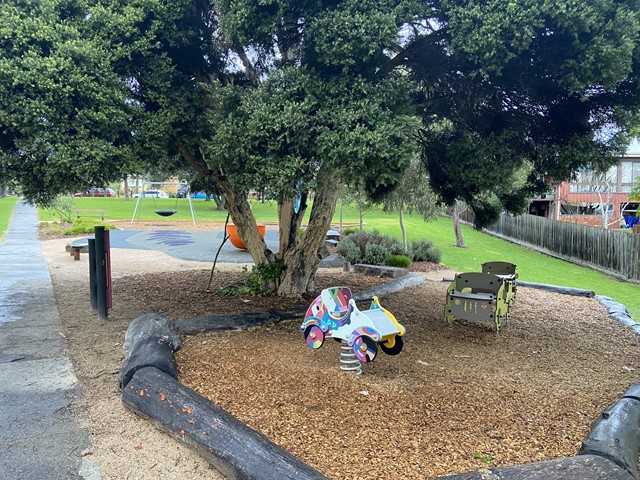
(101, 273)
(93, 286)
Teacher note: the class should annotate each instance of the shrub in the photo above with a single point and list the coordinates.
(348, 250)
(86, 226)
(51, 229)
(349, 231)
(401, 261)
(251, 283)
(375, 254)
(424, 251)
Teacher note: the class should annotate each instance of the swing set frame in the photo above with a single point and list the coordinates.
(165, 213)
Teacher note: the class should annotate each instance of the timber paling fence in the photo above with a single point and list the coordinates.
(609, 250)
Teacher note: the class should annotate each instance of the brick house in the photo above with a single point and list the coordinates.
(595, 198)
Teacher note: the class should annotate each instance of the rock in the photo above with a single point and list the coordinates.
(380, 271)
(332, 261)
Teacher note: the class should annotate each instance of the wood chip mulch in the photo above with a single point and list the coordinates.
(457, 398)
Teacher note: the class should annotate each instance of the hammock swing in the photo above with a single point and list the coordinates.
(163, 212)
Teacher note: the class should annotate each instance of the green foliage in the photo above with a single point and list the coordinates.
(400, 261)
(368, 246)
(51, 228)
(349, 250)
(424, 251)
(252, 282)
(349, 230)
(86, 226)
(375, 254)
(7, 205)
(485, 458)
(63, 205)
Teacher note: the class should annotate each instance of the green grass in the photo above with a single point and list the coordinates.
(532, 266)
(120, 209)
(7, 205)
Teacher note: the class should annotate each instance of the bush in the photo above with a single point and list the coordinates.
(424, 251)
(349, 231)
(86, 226)
(349, 250)
(400, 261)
(375, 254)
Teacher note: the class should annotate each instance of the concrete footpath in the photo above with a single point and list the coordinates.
(39, 438)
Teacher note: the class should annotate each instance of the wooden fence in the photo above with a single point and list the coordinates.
(609, 250)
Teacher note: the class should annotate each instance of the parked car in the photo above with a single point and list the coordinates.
(152, 194)
(96, 192)
(182, 192)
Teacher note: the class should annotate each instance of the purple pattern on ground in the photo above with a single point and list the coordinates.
(171, 238)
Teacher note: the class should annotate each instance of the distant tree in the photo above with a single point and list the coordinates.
(553, 83)
(413, 194)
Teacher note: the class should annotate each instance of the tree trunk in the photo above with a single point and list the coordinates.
(455, 215)
(126, 188)
(245, 222)
(300, 256)
(219, 199)
(402, 229)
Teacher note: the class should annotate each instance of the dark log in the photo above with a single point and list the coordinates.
(148, 352)
(151, 325)
(228, 444)
(574, 468)
(616, 434)
(578, 292)
(236, 321)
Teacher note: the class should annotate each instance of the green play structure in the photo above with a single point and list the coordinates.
(479, 296)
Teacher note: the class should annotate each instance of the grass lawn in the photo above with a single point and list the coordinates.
(120, 209)
(532, 266)
(6, 209)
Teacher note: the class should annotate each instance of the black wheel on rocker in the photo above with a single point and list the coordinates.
(392, 348)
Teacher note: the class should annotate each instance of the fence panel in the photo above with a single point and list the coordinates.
(614, 251)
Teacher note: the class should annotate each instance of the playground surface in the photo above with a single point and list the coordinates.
(457, 398)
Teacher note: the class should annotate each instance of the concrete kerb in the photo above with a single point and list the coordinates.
(150, 389)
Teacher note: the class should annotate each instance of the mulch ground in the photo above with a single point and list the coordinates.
(457, 398)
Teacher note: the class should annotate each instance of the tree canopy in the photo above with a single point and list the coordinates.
(497, 98)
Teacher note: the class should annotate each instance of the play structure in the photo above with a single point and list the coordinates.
(486, 295)
(235, 239)
(334, 314)
(162, 212)
(506, 271)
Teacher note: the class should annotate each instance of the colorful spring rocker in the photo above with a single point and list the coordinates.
(334, 314)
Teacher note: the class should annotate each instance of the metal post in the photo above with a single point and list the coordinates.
(93, 286)
(101, 273)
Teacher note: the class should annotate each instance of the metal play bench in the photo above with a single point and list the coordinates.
(507, 271)
(477, 296)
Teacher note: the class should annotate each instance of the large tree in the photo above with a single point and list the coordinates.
(300, 96)
(543, 85)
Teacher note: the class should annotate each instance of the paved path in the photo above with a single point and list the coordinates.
(39, 439)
